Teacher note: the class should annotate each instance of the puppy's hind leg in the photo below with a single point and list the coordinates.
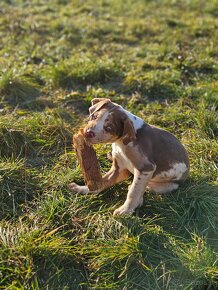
(162, 187)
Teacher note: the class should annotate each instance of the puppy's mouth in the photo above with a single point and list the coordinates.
(92, 140)
(97, 140)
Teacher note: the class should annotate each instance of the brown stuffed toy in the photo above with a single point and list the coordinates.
(88, 161)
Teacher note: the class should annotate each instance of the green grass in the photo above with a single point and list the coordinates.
(159, 59)
(86, 71)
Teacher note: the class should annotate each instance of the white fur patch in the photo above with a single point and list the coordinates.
(175, 172)
(123, 160)
(137, 122)
(100, 124)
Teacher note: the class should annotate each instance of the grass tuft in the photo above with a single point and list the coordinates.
(193, 206)
(23, 263)
(37, 132)
(200, 259)
(85, 71)
(17, 186)
(159, 60)
(17, 88)
(207, 119)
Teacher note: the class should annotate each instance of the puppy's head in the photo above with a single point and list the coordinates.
(108, 123)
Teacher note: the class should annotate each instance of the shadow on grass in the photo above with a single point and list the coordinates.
(153, 90)
(17, 88)
(188, 72)
(18, 185)
(192, 207)
(175, 231)
(39, 258)
(59, 271)
(38, 134)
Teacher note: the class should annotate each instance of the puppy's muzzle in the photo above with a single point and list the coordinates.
(89, 134)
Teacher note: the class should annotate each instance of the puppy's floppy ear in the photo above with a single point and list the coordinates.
(129, 133)
(97, 104)
(97, 100)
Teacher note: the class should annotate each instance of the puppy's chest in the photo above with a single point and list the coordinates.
(121, 157)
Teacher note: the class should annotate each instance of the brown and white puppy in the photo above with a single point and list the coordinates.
(155, 157)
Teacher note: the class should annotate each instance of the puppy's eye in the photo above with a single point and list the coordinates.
(93, 117)
(108, 129)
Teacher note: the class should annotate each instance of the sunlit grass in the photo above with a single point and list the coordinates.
(23, 257)
(158, 59)
(82, 71)
(17, 88)
(22, 135)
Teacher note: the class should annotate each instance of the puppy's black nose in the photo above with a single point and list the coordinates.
(89, 134)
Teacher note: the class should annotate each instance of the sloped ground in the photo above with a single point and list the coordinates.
(159, 59)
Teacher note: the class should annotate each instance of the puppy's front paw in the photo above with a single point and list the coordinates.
(83, 189)
(123, 210)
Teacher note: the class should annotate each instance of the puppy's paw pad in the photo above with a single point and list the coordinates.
(123, 210)
(78, 188)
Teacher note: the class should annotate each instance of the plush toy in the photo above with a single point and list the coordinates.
(88, 161)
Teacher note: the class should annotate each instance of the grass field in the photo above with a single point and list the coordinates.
(158, 59)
